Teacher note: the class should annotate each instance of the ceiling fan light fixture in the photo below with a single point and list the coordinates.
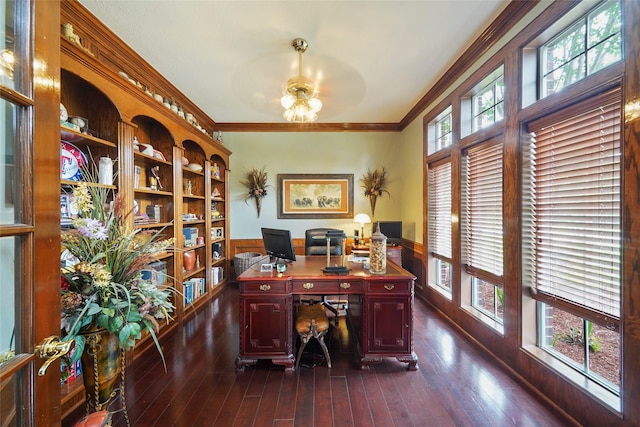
(300, 101)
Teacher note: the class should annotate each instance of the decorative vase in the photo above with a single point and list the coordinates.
(258, 204)
(378, 252)
(189, 260)
(101, 368)
(372, 202)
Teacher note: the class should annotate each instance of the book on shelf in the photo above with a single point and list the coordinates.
(153, 212)
(216, 275)
(136, 176)
(190, 235)
(193, 288)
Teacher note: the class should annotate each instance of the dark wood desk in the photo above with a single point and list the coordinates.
(380, 311)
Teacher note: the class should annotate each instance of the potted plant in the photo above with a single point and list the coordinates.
(105, 301)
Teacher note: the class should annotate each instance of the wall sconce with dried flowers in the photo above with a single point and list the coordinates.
(374, 183)
(256, 182)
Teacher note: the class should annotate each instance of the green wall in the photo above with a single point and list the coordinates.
(327, 152)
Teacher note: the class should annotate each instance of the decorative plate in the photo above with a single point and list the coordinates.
(63, 113)
(71, 162)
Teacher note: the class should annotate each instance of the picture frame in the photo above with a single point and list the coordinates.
(315, 196)
(217, 232)
(65, 206)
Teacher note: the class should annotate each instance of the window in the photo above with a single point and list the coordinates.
(591, 43)
(488, 103)
(482, 226)
(439, 131)
(590, 349)
(571, 212)
(439, 188)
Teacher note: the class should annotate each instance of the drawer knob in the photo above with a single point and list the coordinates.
(307, 285)
(389, 286)
(345, 285)
(265, 287)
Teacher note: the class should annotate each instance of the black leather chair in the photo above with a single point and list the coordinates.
(315, 242)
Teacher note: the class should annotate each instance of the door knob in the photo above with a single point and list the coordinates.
(52, 348)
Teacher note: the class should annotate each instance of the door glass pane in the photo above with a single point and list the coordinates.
(14, 389)
(12, 411)
(10, 202)
(7, 44)
(9, 306)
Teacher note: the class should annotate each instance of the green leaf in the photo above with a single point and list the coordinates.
(108, 311)
(79, 348)
(134, 316)
(94, 309)
(125, 333)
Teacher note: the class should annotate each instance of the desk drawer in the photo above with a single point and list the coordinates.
(327, 287)
(265, 287)
(389, 287)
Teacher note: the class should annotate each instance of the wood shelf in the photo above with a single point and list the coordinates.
(74, 137)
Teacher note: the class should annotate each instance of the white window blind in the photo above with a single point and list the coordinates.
(482, 208)
(572, 206)
(440, 210)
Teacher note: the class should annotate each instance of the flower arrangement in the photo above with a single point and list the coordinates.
(256, 182)
(374, 182)
(102, 285)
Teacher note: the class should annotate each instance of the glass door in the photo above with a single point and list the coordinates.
(29, 219)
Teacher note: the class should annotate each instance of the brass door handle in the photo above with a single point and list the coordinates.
(389, 286)
(345, 285)
(265, 287)
(307, 285)
(52, 348)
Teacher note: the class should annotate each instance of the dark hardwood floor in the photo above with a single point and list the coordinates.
(457, 384)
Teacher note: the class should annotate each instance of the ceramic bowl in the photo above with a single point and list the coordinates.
(194, 167)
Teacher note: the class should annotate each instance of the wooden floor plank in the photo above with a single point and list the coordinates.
(270, 398)
(341, 406)
(457, 384)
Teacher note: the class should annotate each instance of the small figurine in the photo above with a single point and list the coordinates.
(155, 171)
(216, 171)
(189, 187)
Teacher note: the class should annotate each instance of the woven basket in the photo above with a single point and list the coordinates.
(244, 260)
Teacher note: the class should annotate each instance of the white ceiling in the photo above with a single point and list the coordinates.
(374, 59)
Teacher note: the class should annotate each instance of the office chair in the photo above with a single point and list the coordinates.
(315, 243)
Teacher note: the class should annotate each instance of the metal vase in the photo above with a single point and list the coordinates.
(100, 368)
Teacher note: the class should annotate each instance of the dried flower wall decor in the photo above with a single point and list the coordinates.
(256, 183)
(374, 182)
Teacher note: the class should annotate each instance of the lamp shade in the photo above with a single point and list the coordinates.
(362, 218)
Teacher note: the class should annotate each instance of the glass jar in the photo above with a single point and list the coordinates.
(378, 252)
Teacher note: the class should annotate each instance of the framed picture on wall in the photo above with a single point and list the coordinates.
(314, 196)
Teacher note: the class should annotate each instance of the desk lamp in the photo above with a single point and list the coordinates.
(363, 219)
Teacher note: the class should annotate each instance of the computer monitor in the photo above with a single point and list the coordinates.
(391, 229)
(278, 244)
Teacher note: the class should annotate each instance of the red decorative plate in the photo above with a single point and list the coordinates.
(71, 162)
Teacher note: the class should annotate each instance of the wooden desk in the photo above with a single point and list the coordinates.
(380, 311)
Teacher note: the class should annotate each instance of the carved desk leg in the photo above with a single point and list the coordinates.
(412, 360)
(242, 362)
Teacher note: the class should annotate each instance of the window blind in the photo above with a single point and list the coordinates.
(572, 206)
(440, 210)
(482, 208)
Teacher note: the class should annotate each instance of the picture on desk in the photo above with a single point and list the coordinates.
(308, 196)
